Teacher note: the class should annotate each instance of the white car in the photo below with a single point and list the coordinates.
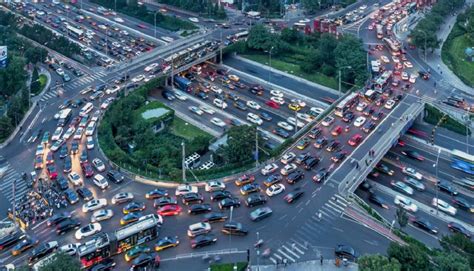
(98, 164)
(327, 121)
(106, 103)
(151, 67)
(389, 104)
(288, 168)
(413, 78)
(75, 178)
(39, 150)
(412, 173)
(196, 110)
(216, 89)
(185, 189)
(101, 215)
(407, 64)
(90, 143)
(57, 145)
(95, 116)
(194, 19)
(275, 189)
(255, 119)
(180, 96)
(119, 20)
(70, 249)
(220, 103)
(122, 197)
(69, 133)
(253, 105)
(405, 203)
(100, 181)
(359, 121)
(57, 134)
(112, 90)
(293, 121)
(361, 106)
(405, 76)
(234, 77)
(305, 117)
(269, 169)
(298, 102)
(93, 205)
(385, 59)
(395, 59)
(208, 110)
(90, 128)
(278, 100)
(148, 78)
(443, 206)
(88, 230)
(138, 78)
(288, 157)
(285, 126)
(78, 133)
(214, 186)
(276, 93)
(218, 122)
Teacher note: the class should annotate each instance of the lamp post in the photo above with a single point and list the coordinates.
(340, 77)
(436, 168)
(424, 48)
(156, 12)
(270, 62)
(183, 165)
(258, 252)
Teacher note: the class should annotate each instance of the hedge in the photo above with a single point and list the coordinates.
(433, 115)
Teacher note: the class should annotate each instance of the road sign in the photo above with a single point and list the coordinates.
(3, 56)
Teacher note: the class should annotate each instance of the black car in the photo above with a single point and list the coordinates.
(464, 204)
(345, 251)
(377, 200)
(293, 196)
(156, 193)
(74, 146)
(425, 225)
(199, 209)
(229, 202)
(272, 179)
(413, 155)
(115, 176)
(255, 200)
(62, 183)
(203, 240)
(447, 187)
(220, 195)
(58, 218)
(281, 132)
(321, 175)
(314, 133)
(333, 145)
(302, 157)
(457, 228)
(338, 157)
(105, 265)
(63, 152)
(168, 95)
(145, 260)
(71, 196)
(85, 193)
(368, 111)
(348, 117)
(11, 239)
(234, 228)
(320, 142)
(310, 163)
(295, 176)
(192, 197)
(67, 225)
(214, 217)
(67, 164)
(164, 201)
(384, 169)
(84, 157)
(42, 250)
(265, 116)
(369, 126)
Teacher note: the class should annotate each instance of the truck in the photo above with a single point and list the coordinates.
(375, 65)
(379, 29)
(182, 83)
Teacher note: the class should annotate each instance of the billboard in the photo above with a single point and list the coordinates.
(3, 56)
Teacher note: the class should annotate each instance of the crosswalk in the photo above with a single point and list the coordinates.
(48, 95)
(6, 183)
(301, 242)
(85, 80)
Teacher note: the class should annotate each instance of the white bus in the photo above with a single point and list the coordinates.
(393, 45)
(86, 109)
(346, 104)
(46, 260)
(75, 32)
(64, 116)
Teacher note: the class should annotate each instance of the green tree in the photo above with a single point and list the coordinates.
(378, 263)
(411, 257)
(460, 244)
(349, 53)
(451, 261)
(6, 128)
(240, 144)
(290, 35)
(402, 217)
(260, 38)
(62, 262)
(36, 55)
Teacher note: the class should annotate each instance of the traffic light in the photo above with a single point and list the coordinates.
(248, 255)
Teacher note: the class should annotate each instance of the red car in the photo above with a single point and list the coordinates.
(52, 172)
(87, 169)
(336, 131)
(142, 26)
(355, 140)
(169, 210)
(244, 179)
(39, 162)
(273, 104)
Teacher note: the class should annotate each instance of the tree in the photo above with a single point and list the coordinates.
(62, 262)
(6, 127)
(460, 244)
(259, 38)
(402, 217)
(36, 55)
(451, 261)
(351, 60)
(411, 257)
(240, 144)
(378, 263)
(290, 35)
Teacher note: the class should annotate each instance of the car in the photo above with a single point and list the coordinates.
(218, 122)
(101, 215)
(288, 158)
(339, 156)
(315, 132)
(412, 173)
(293, 196)
(240, 105)
(156, 193)
(320, 142)
(52, 172)
(321, 175)
(57, 218)
(74, 147)
(100, 181)
(84, 156)
(71, 196)
(380, 101)
(260, 213)
(405, 203)
(395, 59)
(166, 242)
(220, 103)
(112, 89)
(268, 169)
(90, 143)
(348, 117)
(98, 164)
(384, 169)
(135, 251)
(293, 121)
(285, 125)
(220, 195)
(249, 188)
(216, 89)
(159, 202)
(405, 76)
(87, 170)
(24, 245)
(443, 206)
(377, 200)
(192, 197)
(185, 188)
(294, 106)
(199, 228)
(70, 249)
(424, 225)
(384, 59)
(57, 134)
(389, 104)
(169, 210)
(447, 187)
(196, 110)
(345, 252)
(369, 126)
(115, 176)
(57, 144)
(413, 77)
(93, 205)
(85, 193)
(133, 207)
(122, 197)
(203, 240)
(265, 116)
(253, 105)
(273, 104)
(295, 176)
(88, 230)
(414, 183)
(369, 110)
(377, 116)
(39, 162)
(276, 93)
(255, 199)
(401, 186)
(234, 228)
(281, 132)
(138, 78)
(361, 106)
(287, 169)
(67, 225)
(311, 162)
(277, 100)
(130, 218)
(244, 179)
(107, 264)
(359, 121)
(458, 228)
(229, 202)
(355, 140)
(304, 117)
(199, 208)
(463, 203)
(214, 186)
(303, 143)
(333, 145)
(275, 189)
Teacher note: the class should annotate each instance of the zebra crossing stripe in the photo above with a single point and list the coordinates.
(330, 209)
(286, 255)
(324, 213)
(341, 198)
(300, 243)
(338, 207)
(291, 251)
(273, 260)
(278, 256)
(295, 247)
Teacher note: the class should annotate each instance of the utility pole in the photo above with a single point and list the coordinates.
(437, 180)
(340, 78)
(258, 252)
(270, 62)
(172, 73)
(256, 147)
(14, 202)
(296, 121)
(156, 12)
(220, 49)
(183, 165)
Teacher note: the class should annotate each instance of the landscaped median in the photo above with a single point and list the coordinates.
(435, 116)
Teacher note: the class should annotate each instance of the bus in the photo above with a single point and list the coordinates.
(382, 81)
(43, 262)
(105, 245)
(64, 117)
(75, 32)
(86, 109)
(182, 83)
(462, 161)
(346, 104)
(240, 35)
(393, 45)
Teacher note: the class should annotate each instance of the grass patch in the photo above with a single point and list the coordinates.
(228, 266)
(42, 80)
(294, 69)
(188, 131)
(454, 57)
(433, 116)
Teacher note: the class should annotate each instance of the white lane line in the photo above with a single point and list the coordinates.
(291, 251)
(286, 255)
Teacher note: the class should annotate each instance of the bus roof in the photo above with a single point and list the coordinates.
(463, 156)
(65, 112)
(347, 99)
(144, 222)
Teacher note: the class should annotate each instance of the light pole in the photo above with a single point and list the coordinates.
(340, 77)
(270, 62)
(115, 6)
(183, 165)
(14, 202)
(258, 252)
(156, 12)
(256, 147)
(468, 123)
(424, 48)
(437, 188)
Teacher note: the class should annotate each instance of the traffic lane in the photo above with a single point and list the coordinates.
(282, 80)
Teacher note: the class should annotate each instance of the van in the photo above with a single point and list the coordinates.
(86, 109)
(198, 229)
(370, 95)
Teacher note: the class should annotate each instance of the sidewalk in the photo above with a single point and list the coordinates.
(328, 265)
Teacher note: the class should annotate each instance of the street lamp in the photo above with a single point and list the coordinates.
(258, 252)
(270, 62)
(156, 12)
(340, 77)
(183, 163)
(436, 166)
